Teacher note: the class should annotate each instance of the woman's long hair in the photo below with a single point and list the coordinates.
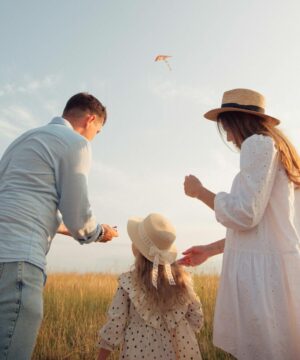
(242, 125)
(165, 297)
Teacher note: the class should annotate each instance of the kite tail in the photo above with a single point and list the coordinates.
(168, 65)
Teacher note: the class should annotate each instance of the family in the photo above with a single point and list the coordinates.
(155, 312)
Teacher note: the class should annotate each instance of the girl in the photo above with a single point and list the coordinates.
(257, 313)
(155, 312)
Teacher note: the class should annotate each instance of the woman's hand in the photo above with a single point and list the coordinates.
(195, 255)
(192, 186)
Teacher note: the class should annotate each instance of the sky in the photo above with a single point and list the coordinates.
(155, 133)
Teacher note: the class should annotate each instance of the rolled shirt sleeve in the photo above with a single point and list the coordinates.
(244, 206)
(72, 187)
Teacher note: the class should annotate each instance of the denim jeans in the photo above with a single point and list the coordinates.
(21, 309)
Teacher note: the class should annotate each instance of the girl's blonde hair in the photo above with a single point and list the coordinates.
(242, 125)
(166, 296)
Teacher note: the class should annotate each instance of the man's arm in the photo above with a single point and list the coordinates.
(74, 205)
(107, 232)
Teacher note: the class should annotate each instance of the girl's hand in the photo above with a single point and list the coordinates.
(192, 186)
(103, 354)
(63, 230)
(195, 255)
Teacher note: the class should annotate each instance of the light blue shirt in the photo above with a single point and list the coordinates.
(43, 177)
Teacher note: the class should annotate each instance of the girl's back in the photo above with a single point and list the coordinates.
(155, 312)
(145, 331)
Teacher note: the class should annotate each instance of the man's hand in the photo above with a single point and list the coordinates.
(109, 233)
(192, 186)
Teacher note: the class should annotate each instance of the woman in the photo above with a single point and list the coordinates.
(257, 313)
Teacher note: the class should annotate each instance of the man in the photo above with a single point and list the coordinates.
(43, 190)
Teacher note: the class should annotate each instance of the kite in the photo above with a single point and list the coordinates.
(165, 59)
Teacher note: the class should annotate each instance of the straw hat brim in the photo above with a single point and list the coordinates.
(213, 114)
(133, 232)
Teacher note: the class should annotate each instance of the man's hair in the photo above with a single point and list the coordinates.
(82, 102)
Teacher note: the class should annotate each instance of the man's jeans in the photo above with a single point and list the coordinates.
(21, 309)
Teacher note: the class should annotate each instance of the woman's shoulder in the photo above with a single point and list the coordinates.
(258, 140)
(260, 147)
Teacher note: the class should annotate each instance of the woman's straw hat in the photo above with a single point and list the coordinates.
(154, 237)
(155, 232)
(242, 100)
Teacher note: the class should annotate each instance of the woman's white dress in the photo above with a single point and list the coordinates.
(257, 314)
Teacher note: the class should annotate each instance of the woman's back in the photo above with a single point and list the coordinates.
(284, 213)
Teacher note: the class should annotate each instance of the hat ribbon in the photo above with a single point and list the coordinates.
(163, 255)
(157, 253)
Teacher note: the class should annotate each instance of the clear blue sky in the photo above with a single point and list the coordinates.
(155, 133)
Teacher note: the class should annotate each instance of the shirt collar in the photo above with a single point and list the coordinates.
(61, 121)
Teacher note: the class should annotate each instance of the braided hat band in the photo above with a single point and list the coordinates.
(243, 101)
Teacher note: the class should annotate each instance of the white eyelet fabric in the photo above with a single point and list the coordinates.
(257, 312)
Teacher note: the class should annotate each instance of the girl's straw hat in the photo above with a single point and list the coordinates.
(154, 237)
(242, 100)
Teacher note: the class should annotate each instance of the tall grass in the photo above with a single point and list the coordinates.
(75, 308)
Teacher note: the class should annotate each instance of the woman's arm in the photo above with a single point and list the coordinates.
(197, 255)
(194, 188)
(244, 206)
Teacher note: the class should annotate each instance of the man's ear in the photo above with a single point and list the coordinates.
(89, 119)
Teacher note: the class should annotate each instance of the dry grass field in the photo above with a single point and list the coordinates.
(75, 307)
